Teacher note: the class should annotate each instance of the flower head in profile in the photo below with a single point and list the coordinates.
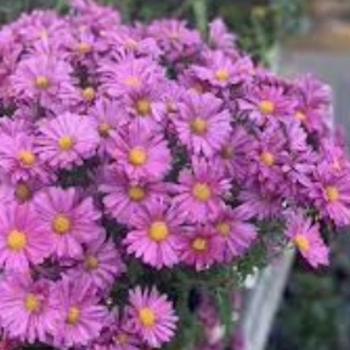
(28, 312)
(23, 238)
(155, 235)
(307, 238)
(69, 220)
(67, 140)
(81, 314)
(152, 315)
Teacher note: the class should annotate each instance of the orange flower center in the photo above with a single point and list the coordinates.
(66, 143)
(267, 158)
(302, 243)
(200, 244)
(42, 82)
(300, 116)
(137, 156)
(147, 317)
(61, 224)
(121, 339)
(91, 262)
(84, 48)
(104, 129)
(73, 315)
(227, 152)
(201, 191)
(16, 240)
(223, 228)
(23, 191)
(143, 107)
(32, 303)
(27, 158)
(132, 81)
(222, 75)
(199, 126)
(332, 193)
(136, 193)
(89, 93)
(158, 231)
(266, 107)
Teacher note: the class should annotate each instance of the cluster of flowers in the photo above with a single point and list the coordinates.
(144, 143)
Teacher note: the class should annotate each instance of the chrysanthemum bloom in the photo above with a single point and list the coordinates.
(200, 193)
(141, 154)
(117, 334)
(308, 240)
(219, 70)
(100, 262)
(263, 102)
(124, 197)
(153, 316)
(108, 117)
(27, 312)
(67, 140)
(68, 220)
(155, 235)
(235, 232)
(44, 79)
(203, 125)
(201, 247)
(81, 316)
(23, 238)
(19, 158)
(330, 193)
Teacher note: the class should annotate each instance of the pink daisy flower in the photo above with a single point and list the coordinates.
(124, 197)
(28, 313)
(235, 232)
(101, 263)
(200, 247)
(203, 126)
(23, 238)
(200, 192)
(67, 140)
(308, 240)
(69, 221)
(141, 154)
(19, 158)
(153, 316)
(81, 316)
(155, 235)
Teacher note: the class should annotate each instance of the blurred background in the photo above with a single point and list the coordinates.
(291, 36)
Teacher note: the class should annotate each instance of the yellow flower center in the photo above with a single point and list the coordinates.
(132, 81)
(201, 192)
(222, 75)
(137, 156)
(23, 191)
(91, 262)
(73, 315)
(158, 231)
(27, 158)
(66, 143)
(200, 244)
(89, 94)
(302, 242)
(147, 317)
(223, 228)
(16, 240)
(300, 116)
(267, 158)
(199, 126)
(143, 107)
(332, 193)
(84, 48)
(266, 107)
(42, 82)
(136, 193)
(32, 303)
(104, 129)
(61, 224)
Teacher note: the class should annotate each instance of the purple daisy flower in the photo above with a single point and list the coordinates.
(155, 235)
(67, 140)
(68, 220)
(203, 126)
(152, 315)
